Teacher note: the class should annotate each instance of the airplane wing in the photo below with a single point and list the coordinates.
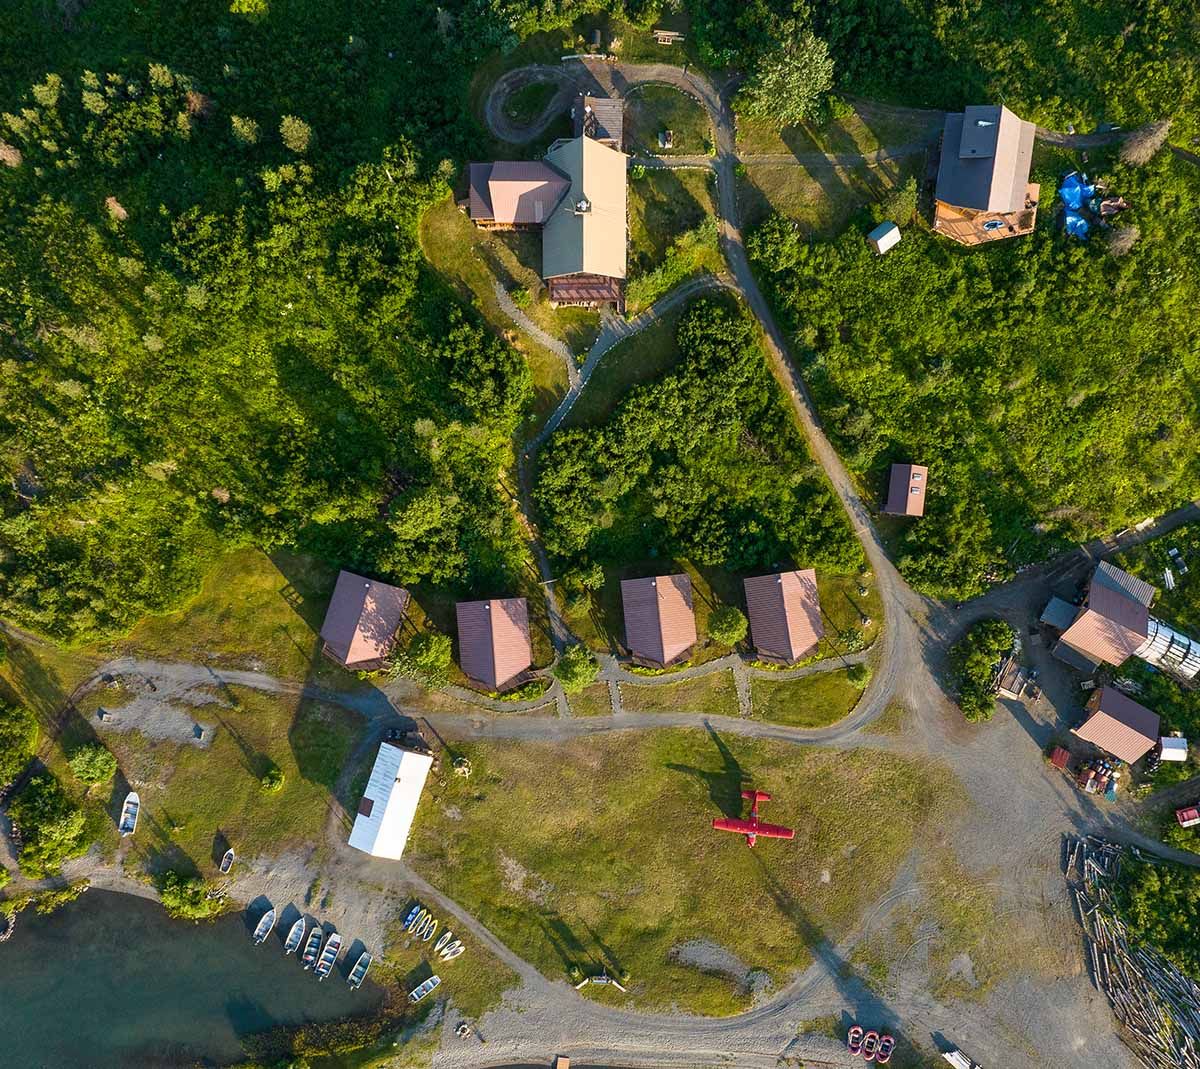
(742, 827)
(774, 831)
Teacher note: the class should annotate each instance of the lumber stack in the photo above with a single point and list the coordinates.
(1157, 1006)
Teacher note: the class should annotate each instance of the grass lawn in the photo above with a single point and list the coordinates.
(861, 133)
(252, 611)
(893, 721)
(626, 876)
(662, 206)
(846, 609)
(471, 261)
(591, 701)
(527, 103)
(821, 198)
(650, 109)
(810, 702)
(196, 801)
(713, 694)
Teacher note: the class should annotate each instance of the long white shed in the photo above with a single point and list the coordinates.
(389, 803)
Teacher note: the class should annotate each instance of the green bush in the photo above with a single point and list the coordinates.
(687, 255)
(18, 737)
(973, 661)
(859, 675)
(577, 668)
(427, 659)
(53, 827)
(186, 897)
(727, 625)
(272, 779)
(637, 172)
(899, 206)
(93, 763)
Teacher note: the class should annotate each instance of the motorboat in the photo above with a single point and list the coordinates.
(129, 814)
(295, 937)
(359, 971)
(443, 939)
(412, 916)
(264, 926)
(227, 862)
(328, 955)
(312, 947)
(419, 992)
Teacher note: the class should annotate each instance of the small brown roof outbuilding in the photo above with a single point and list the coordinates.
(1119, 725)
(493, 641)
(362, 620)
(906, 490)
(785, 615)
(660, 624)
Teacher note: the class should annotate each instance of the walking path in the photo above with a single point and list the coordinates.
(556, 345)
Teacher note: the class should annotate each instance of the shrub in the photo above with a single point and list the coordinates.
(93, 763)
(426, 659)
(1143, 144)
(790, 81)
(53, 827)
(521, 297)
(18, 736)
(637, 172)
(1122, 239)
(972, 660)
(727, 625)
(859, 675)
(272, 780)
(186, 897)
(245, 131)
(576, 669)
(900, 205)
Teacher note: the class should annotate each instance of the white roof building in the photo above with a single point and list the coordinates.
(389, 803)
(884, 237)
(1173, 748)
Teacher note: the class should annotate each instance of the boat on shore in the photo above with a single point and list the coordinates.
(264, 926)
(443, 940)
(129, 814)
(429, 930)
(328, 955)
(227, 862)
(359, 971)
(453, 951)
(418, 993)
(312, 948)
(412, 916)
(295, 938)
(415, 924)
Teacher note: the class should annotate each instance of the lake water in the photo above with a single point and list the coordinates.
(111, 982)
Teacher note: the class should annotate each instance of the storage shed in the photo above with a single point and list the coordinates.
(1119, 725)
(906, 490)
(885, 236)
(389, 803)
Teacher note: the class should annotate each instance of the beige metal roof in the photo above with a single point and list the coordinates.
(986, 155)
(586, 233)
(1119, 725)
(362, 619)
(785, 614)
(660, 626)
(1101, 638)
(493, 640)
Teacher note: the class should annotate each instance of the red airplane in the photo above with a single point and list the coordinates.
(751, 828)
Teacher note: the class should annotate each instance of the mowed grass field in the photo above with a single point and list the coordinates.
(599, 854)
(713, 694)
(809, 702)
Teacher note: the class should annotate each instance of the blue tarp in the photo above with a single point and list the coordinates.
(1075, 191)
(1077, 226)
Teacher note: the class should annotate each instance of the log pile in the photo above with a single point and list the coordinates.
(1157, 1005)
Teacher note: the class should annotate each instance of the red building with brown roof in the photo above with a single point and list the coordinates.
(1119, 725)
(493, 641)
(361, 621)
(785, 615)
(660, 624)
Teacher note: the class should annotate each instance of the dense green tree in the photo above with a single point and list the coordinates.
(973, 660)
(427, 659)
(727, 625)
(53, 827)
(790, 81)
(576, 669)
(1161, 905)
(186, 897)
(93, 763)
(18, 736)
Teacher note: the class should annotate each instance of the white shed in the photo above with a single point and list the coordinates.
(389, 803)
(1173, 748)
(884, 237)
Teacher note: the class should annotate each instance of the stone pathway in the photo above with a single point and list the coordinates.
(556, 345)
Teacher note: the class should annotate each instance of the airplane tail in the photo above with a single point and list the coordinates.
(756, 796)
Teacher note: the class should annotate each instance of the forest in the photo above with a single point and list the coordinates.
(216, 326)
(1161, 905)
(704, 463)
(1049, 385)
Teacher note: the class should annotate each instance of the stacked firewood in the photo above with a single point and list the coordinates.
(1157, 1005)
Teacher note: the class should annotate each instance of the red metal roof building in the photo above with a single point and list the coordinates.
(361, 621)
(515, 192)
(493, 641)
(785, 615)
(660, 624)
(1119, 725)
(906, 490)
(1115, 620)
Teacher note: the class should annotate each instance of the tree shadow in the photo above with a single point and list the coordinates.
(724, 785)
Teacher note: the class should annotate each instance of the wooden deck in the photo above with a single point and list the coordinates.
(969, 227)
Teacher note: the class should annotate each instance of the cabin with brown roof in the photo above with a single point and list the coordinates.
(660, 624)
(493, 642)
(361, 621)
(1114, 622)
(1119, 725)
(906, 490)
(514, 194)
(983, 191)
(785, 615)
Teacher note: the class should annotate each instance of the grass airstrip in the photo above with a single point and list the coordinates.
(598, 854)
